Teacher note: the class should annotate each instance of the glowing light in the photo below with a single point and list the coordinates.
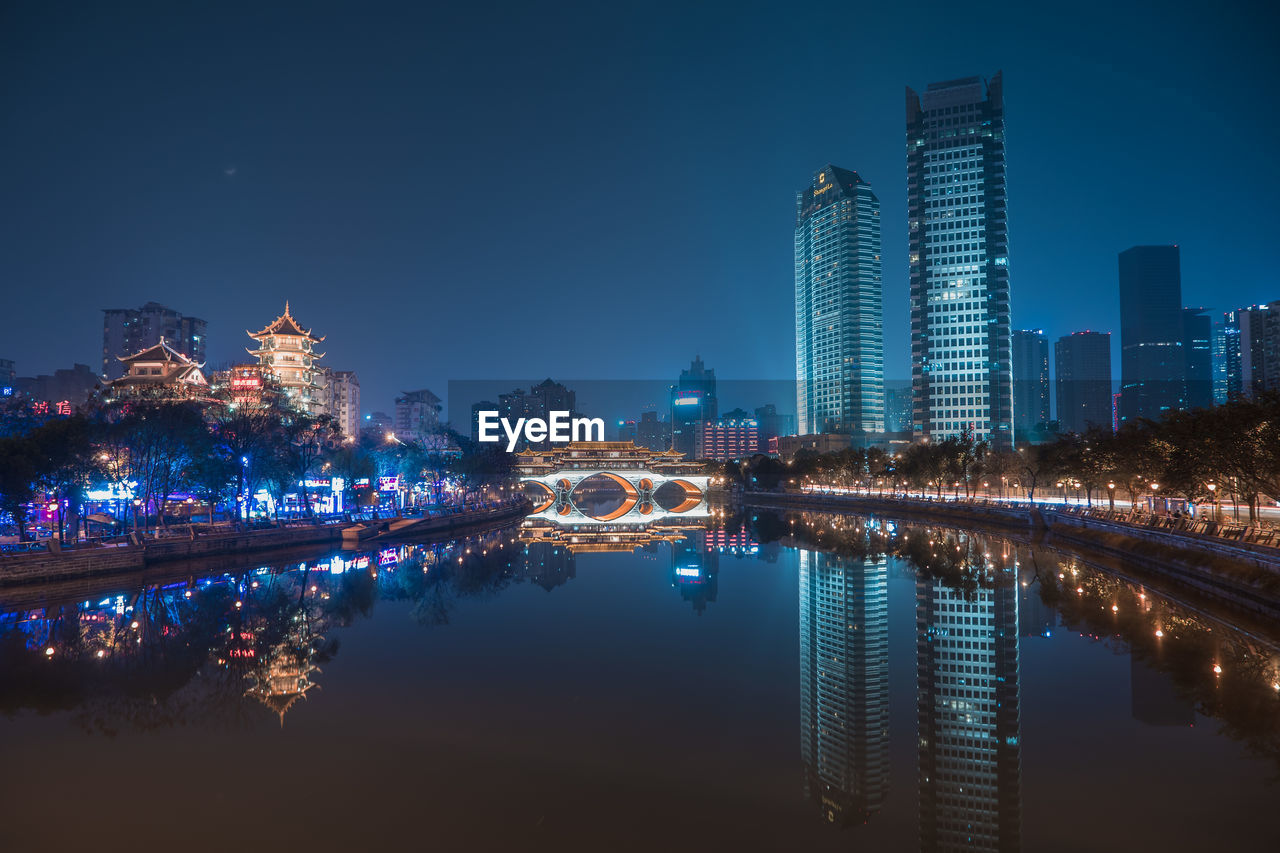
(1217, 669)
(49, 651)
(1159, 633)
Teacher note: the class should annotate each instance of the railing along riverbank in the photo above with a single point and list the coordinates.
(188, 543)
(1243, 574)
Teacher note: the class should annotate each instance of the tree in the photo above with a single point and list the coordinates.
(17, 480)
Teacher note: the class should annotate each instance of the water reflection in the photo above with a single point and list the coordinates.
(211, 648)
(844, 684)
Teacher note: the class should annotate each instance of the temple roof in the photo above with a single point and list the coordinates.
(284, 325)
(159, 352)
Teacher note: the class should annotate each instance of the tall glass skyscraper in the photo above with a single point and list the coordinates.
(844, 684)
(968, 692)
(1153, 368)
(839, 306)
(958, 243)
(1084, 381)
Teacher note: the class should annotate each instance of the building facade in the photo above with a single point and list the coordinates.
(839, 306)
(734, 436)
(1083, 362)
(287, 356)
(417, 416)
(128, 331)
(1153, 367)
(1251, 351)
(1197, 352)
(73, 386)
(342, 400)
(958, 264)
(1030, 380)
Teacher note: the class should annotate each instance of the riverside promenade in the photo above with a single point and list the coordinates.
(187, 543)
(1239, 568)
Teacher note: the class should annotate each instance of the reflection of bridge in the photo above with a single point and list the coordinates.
(637, 471)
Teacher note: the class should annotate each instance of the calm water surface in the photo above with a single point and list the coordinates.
(775, 683)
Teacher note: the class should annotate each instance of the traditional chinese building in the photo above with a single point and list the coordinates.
(159, 370)
(286, 353)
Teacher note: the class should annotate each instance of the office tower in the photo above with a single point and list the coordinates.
(733, 435)
(1251, 350)
(1197, 351)
(897, 407)
(417, 416)
(693, 400)
(968, 692)
(653, 433)
(1152, 365)
(844, 684)
(128, 331)
(773, 424)
(7, 373)
(958, 245)
(1083, 362)
(839, 306)
(1030, 380)
(1222, 360)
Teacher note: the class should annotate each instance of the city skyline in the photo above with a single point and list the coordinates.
(274, 195)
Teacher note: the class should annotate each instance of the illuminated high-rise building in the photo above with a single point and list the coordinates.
(128, 331)
(844, 684)
(969, 721)
(958, 261)
(1197, 353)
(839, 306)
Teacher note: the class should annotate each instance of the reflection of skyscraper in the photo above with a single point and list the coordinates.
(547, 564)
(967, 685)
(694, 570)
(844, 684)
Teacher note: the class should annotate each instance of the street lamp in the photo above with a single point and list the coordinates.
(137, 502)
(1111, 494)
(1213, 493)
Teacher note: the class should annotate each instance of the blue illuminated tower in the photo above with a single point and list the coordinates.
(839, 306)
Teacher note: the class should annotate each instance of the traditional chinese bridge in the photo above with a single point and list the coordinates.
(638, 471)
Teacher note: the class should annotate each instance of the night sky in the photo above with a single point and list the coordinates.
(493, 190)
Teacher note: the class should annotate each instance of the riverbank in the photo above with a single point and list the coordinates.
(1242, 576)
(85, 563)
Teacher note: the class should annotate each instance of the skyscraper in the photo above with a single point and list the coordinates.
(969, 720)
(1251, 350)
(958, 244)
(128, 331)
(1153, 369)
(1083, 362)
(693, 400)
(839, 306)
(844, 684)
(1197, 352)
(1030, 380)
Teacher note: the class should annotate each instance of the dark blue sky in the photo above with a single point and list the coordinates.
(492, 190)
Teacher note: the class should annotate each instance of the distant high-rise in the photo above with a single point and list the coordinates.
(1222, 348)
(958, 244)
(342, 400)
(839, 306)
(128, 331)
(1251, 350)
(1153, 369)
(844, 684)
(1083, 362)
(417, 416)
(969, 720)
(1030, 380)
(693, 400)
(1197, 351)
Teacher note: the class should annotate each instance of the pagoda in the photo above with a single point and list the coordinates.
(286, 354)
(159, 370)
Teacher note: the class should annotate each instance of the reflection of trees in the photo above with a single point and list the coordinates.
(433, 578)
